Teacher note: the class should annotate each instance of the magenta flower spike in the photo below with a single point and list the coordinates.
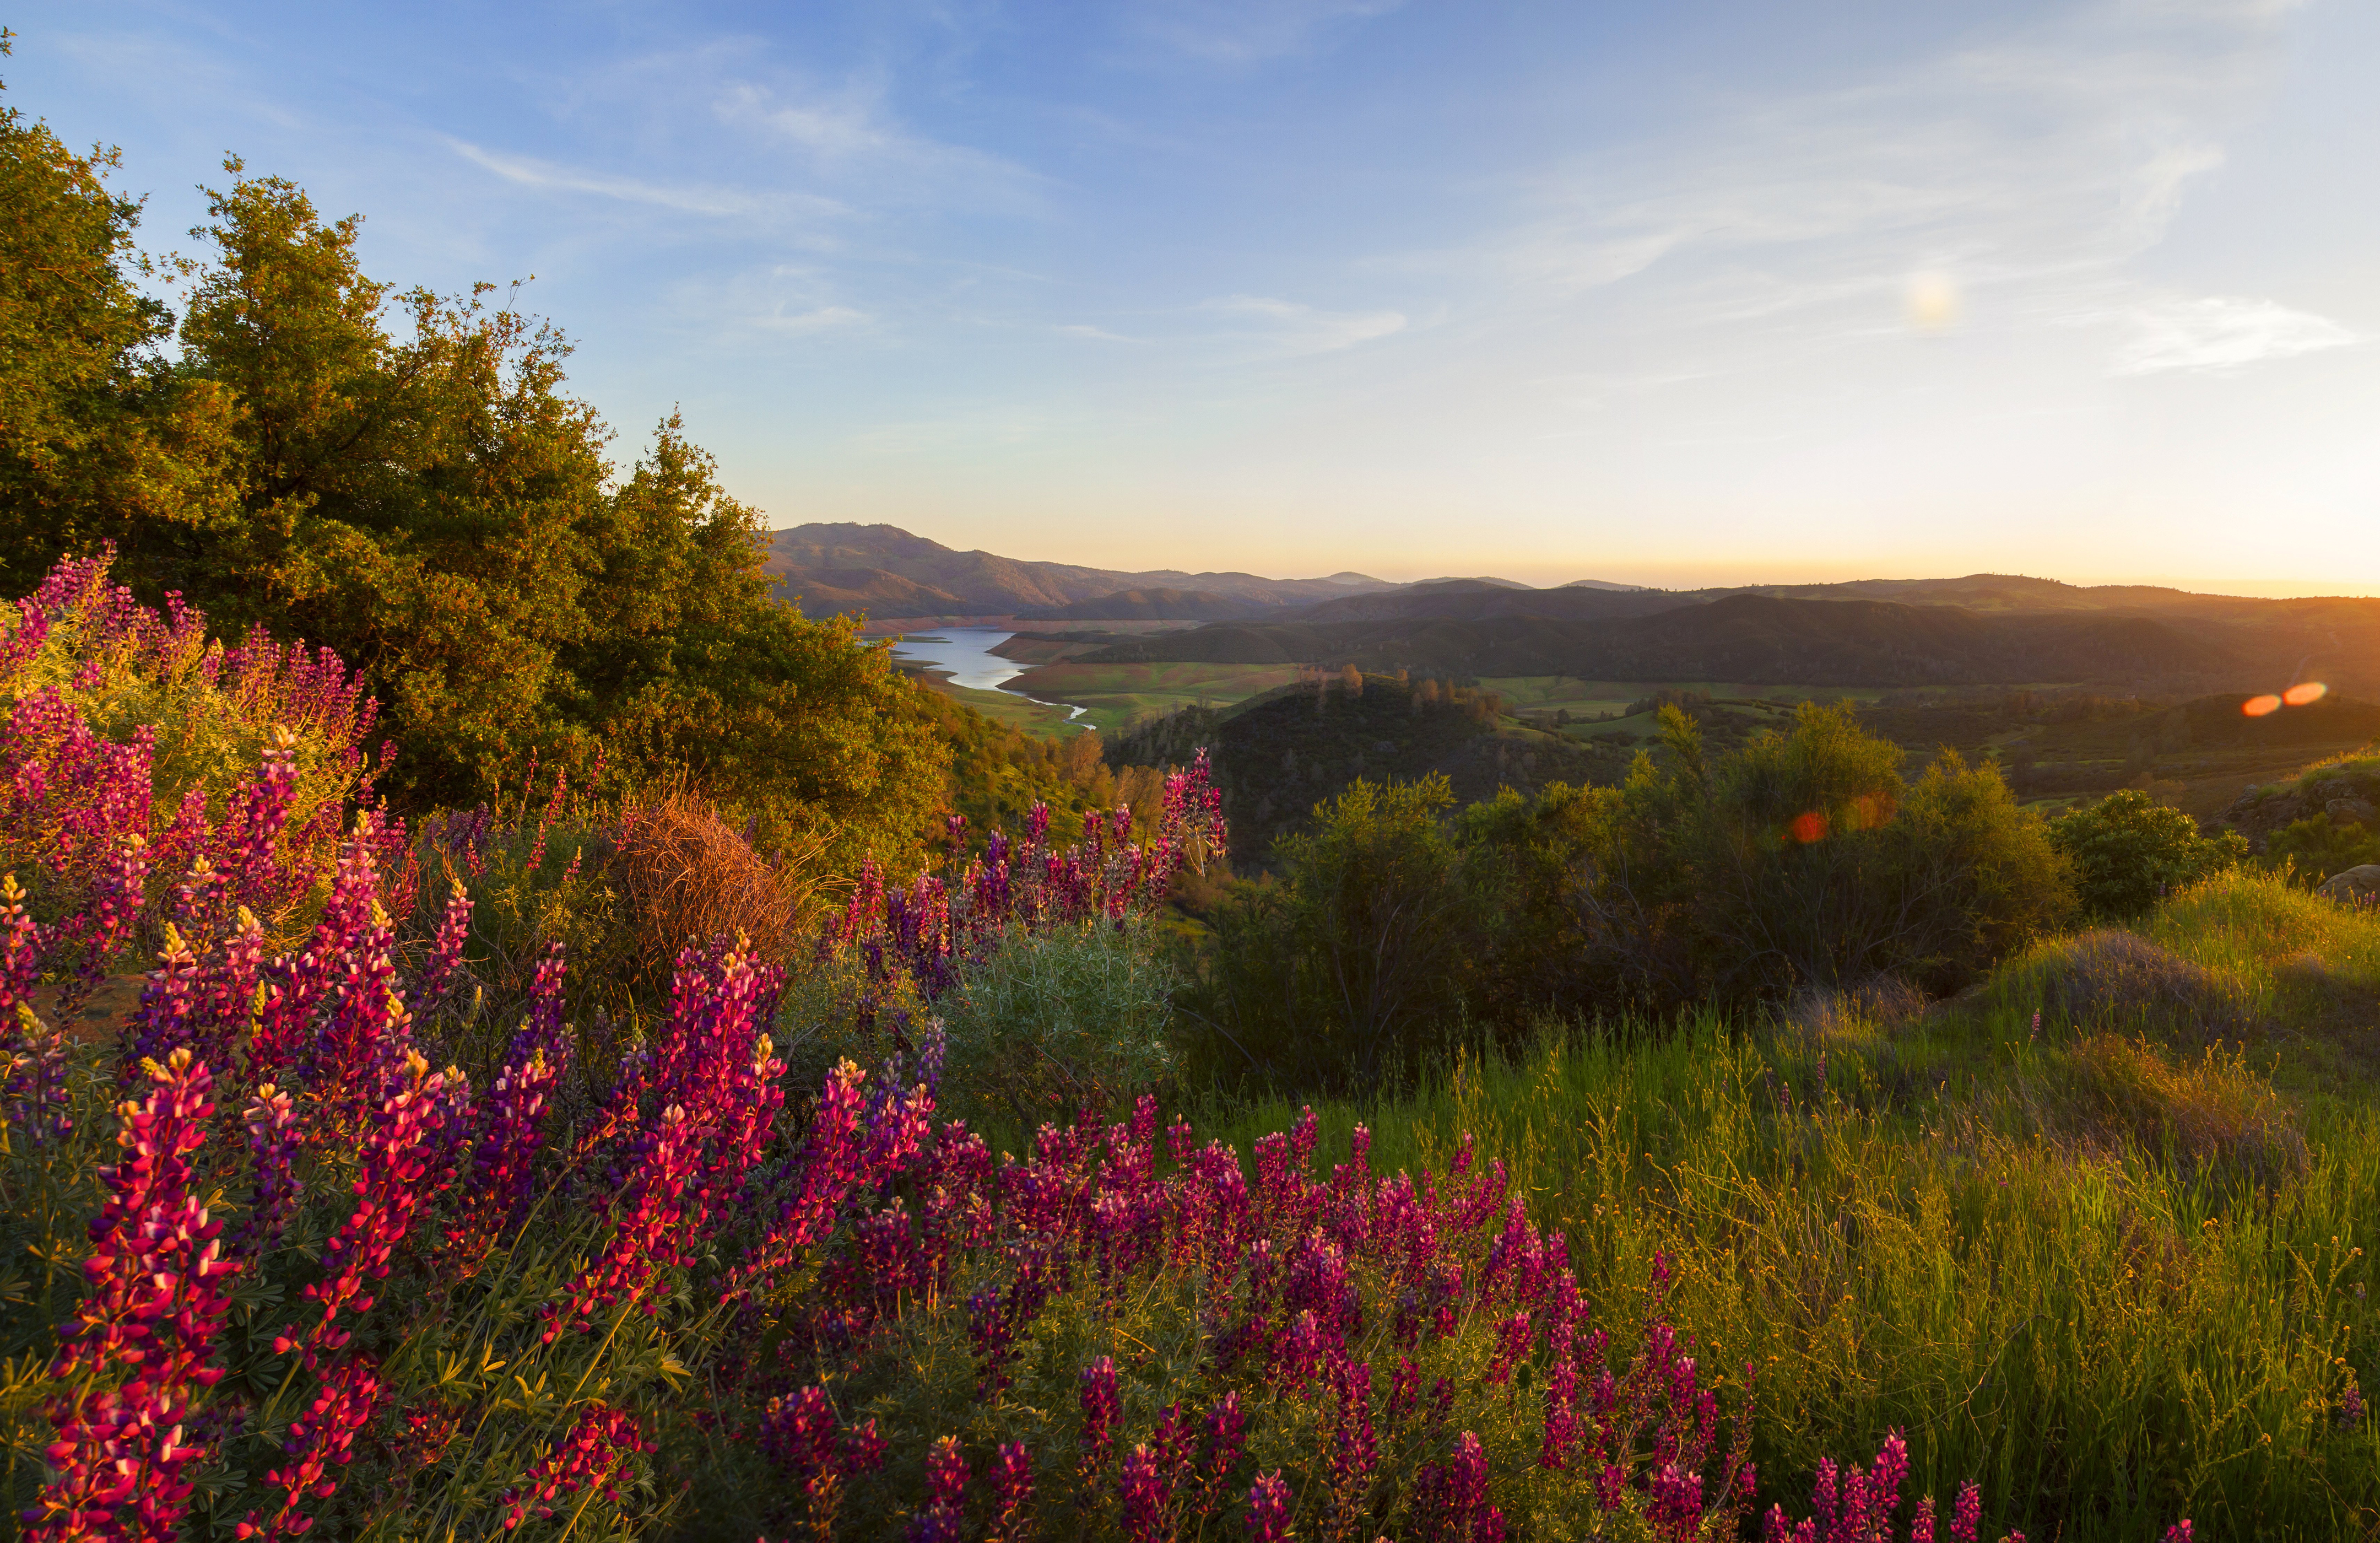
(155, 1304)
(601, 1442)
(1967, 1514)
(1269, 1509)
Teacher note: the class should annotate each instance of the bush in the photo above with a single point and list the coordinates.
(2128, 851)
(1067, 1020)
(1351, 966)
(1805, 861)
(2313, 849)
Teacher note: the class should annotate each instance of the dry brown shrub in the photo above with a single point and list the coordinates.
(688, 876)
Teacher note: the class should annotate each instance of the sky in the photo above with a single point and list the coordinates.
(1709, 291)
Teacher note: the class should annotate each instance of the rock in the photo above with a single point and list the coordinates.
(2352, 812)
(2357, 886)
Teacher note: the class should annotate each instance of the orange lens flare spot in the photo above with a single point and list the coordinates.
(1808, 828)
(2304, 692)
(2261, 707)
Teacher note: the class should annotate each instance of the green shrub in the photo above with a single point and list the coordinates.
(1352, 967)
(2128, 850)
(2311, 850)
(1070, 1020)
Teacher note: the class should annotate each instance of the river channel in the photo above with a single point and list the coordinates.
(964, 654)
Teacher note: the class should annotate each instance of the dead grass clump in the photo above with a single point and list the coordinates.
(2116, 980)
(688, 877)
(2211, 1114)
(1881, 1005)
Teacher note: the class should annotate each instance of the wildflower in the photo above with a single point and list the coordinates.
(155, 1303)
(1269, 1509)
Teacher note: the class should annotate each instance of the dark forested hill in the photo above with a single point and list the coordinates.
(1739, 637)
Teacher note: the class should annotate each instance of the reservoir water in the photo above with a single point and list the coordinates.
(964, 654)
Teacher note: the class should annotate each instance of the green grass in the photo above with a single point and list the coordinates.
(2004, 1244)
(1115, 695)
(1006, 708)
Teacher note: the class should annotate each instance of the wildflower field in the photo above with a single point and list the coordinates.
(366, 1212)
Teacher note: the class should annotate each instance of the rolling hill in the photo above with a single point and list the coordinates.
(1743, 637)
(983, 583)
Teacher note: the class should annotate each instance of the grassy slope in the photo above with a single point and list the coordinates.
(1117, 693)
(2006, 1244)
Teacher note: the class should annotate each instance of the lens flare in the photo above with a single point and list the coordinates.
(2304, 692)
(1808, 828)
(1933, 301)
(2260, 706)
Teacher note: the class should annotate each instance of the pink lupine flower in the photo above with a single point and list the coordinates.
(155, 1305)
(600, 1443)
(395, 1179)
(1011, 1495)
(1143, 1494)
(1269, 1509)
(1099, 1410)
(1967, 1514)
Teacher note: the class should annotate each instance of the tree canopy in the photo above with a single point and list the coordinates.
(404, 477)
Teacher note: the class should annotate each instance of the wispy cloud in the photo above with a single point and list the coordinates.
(2034, 164)
(820, 318)
(2215, 334)
(1290, 328)
(689, 198)
(1081, 329)
(852, 140)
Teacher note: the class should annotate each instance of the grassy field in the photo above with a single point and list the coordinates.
(2115, 1271)
(1117, 693)
(1005, 707)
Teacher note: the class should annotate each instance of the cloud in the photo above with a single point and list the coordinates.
(1291, 328)
(818, 320)
(2215, 334)
(1241, 32)
(1079, 329)
(690, 197)
(848, 137)
(2034, 162)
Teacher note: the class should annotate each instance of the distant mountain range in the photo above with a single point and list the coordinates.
(1980, 628)
(887, 572)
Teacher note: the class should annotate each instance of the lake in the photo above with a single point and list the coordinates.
(964, 654)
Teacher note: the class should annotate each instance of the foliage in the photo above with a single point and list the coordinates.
(2313, 849)
(1346, 969)
(1058, 1021)
(1799, 861)
(403, 477)
(999, 773)
(96, 430)
(2128, 851)
(128, 736)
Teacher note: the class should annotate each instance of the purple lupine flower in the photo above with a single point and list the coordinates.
(274, 1140)
(942, 1520)
(1101, 1407)
(1268, 1509)
(398, 1157)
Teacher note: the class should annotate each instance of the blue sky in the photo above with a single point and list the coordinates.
(1678, 293)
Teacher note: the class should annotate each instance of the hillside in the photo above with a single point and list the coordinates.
(984, 583)
(1152, 605)
(1742, 638)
